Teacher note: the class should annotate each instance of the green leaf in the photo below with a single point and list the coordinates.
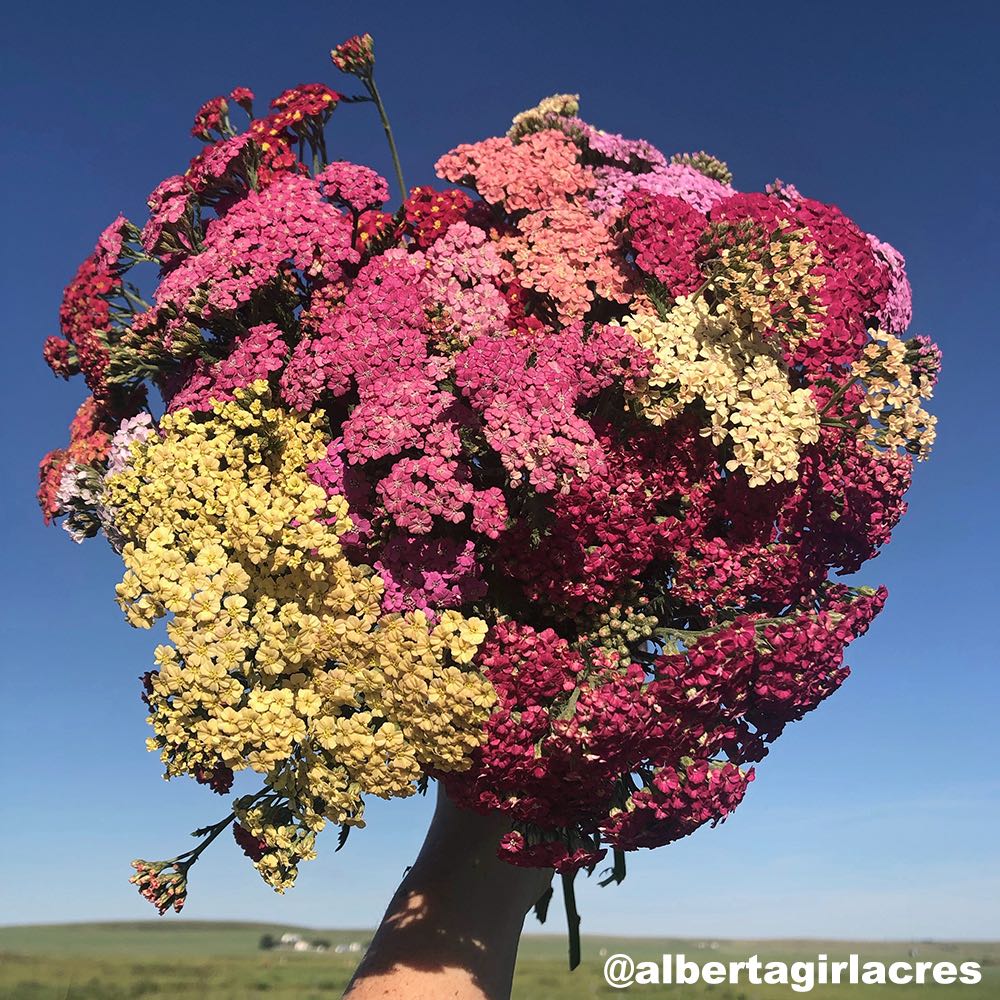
(617, 871)
(541, 907)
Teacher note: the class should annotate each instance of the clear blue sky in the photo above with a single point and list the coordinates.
(877, 815)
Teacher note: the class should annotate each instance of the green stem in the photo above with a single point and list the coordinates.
(219, 827)
(213, 831)
(572, 919)
(702, 287)
(837, 396)
(188, 858)
(369, 82)
(685, 632)
(134, 299)
(321, 139)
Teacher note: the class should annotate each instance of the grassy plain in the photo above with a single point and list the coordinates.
(190, 960)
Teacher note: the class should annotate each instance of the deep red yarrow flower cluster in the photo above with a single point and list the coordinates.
(665, 235)
(529, 389)
(84, 317)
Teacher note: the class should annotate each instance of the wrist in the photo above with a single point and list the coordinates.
(459, 904)
(458, 861)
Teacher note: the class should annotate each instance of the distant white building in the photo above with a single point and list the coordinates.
(290, 941)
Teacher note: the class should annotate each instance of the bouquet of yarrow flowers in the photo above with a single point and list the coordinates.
(534, 485)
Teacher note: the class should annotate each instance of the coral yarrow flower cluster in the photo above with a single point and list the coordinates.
(534, 485)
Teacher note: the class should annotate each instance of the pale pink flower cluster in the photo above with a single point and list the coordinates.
(109, 244)
(611, 146)
(462, 275)
(540, 169)
(898, 310)
(137, 428)
(354, 185)
(566, 253)
(169, 202)
(675, 179)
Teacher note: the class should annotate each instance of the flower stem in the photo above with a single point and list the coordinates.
(209, 833)
(377, 98)
(216, 830)
(136, 301)
(572, 919)
(837, 396)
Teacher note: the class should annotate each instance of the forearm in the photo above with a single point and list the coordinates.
(452, 927)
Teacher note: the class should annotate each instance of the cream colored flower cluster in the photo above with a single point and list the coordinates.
(280, 658)
(894, 394)
(539, 117)
(770, 280)
(702, 355)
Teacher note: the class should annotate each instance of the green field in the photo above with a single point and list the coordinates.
(190, 960)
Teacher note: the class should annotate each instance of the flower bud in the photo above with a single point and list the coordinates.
(355, 56)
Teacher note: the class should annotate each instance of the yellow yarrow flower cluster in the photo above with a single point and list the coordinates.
(893, 397)
(283, 838)
(280, 658)
(702, 355)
